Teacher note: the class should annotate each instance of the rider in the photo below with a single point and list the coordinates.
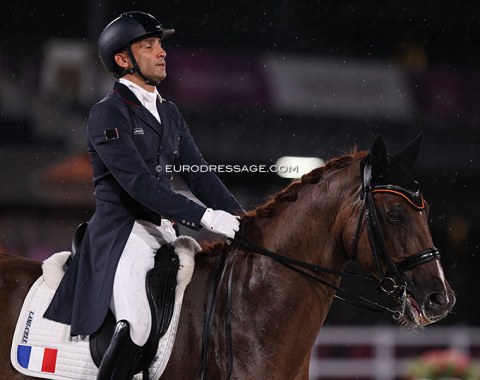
(132, 135)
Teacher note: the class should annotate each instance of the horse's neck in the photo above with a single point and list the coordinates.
(305, 230)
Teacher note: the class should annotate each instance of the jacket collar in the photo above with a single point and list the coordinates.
(126, 94)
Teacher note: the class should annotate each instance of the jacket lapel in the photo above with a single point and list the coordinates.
(138, 109)
(162, 111)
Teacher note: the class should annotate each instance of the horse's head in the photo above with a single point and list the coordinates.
(393, 240)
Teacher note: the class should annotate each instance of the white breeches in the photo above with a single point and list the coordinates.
(129, 300)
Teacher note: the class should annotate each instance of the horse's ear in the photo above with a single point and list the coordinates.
(378, 156)
(408, 155)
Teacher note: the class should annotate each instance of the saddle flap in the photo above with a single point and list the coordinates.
(161, 283)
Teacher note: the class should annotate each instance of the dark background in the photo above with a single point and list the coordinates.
(427, 39)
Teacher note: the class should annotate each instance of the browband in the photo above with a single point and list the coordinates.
(414, 199)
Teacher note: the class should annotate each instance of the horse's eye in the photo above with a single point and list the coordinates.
(395, 216)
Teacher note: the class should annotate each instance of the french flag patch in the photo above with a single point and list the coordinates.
(39, 359)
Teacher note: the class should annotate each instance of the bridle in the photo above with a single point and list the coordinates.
(393, 282)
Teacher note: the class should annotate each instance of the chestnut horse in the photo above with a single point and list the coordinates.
(262, 318)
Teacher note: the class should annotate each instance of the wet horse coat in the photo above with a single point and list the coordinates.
(277, 313)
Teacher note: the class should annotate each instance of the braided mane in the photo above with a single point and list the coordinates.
(290, 193)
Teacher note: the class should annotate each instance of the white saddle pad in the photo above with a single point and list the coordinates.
(44, 348)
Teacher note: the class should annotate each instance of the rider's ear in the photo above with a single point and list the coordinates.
(121, 59)
(408, 155)
(378, 156)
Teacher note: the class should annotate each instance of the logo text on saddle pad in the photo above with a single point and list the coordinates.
(26, 330)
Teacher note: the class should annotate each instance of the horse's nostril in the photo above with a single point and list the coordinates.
(437, 299)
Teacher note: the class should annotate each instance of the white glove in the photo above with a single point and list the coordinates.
(167, 232)
(220, 222)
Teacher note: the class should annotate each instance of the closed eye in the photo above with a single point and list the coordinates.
(395, 216)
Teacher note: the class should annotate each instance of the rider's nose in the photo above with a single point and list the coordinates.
(161, 53)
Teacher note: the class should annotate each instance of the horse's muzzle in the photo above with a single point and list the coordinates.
(422, 311)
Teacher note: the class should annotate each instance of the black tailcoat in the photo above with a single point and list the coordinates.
(129, 152)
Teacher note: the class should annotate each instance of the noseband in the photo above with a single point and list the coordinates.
(393, 281)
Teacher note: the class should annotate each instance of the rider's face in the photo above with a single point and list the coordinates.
(150, 57)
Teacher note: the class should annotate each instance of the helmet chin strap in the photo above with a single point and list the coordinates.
(136, 69)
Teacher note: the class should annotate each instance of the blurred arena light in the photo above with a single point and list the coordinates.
(295, 167)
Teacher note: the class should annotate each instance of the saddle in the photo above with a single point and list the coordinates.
(161, 282)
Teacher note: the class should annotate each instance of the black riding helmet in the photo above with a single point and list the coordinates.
(119, 35)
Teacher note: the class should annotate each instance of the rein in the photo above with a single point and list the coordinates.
(391, 282)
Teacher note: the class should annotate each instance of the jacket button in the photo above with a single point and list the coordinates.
(158, 168)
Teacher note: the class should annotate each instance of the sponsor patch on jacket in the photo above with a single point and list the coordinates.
(111, 134)
(138, 131)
